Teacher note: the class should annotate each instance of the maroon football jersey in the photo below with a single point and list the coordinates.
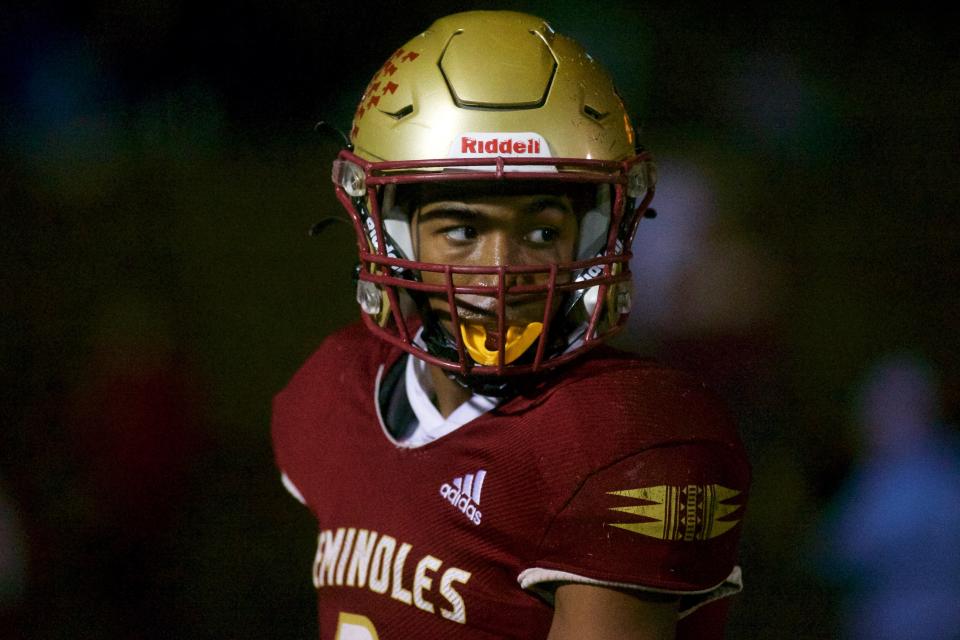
(615, 471)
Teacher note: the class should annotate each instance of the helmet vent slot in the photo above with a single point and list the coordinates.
(400, 114)
(593, 113)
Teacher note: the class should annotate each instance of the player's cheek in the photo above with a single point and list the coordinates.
(555, 253)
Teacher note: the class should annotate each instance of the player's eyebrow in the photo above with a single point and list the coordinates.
(460, 211)
(449, 211)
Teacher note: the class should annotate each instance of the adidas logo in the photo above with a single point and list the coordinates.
(464, 494)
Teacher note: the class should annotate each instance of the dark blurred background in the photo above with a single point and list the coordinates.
(159, 170)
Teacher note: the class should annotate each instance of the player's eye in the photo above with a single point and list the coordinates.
(462, 233)
(543, 235)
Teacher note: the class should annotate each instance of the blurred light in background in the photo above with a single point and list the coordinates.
(889, 539)
(691, 274)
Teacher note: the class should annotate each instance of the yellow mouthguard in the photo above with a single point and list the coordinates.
(518, 341)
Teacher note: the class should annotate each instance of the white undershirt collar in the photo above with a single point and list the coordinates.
(431, 425)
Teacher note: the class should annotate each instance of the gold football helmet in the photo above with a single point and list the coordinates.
(493, 96)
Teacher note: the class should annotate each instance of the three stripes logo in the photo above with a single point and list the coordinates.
(464, 494)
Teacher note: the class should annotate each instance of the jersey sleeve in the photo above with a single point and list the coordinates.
(667, 519)
(329, 397)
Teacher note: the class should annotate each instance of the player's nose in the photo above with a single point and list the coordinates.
(500, 249)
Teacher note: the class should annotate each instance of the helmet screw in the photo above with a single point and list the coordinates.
(369, 297)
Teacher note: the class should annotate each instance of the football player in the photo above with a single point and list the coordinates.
(479, 464)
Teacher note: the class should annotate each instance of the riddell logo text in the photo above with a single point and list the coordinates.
(504, 146)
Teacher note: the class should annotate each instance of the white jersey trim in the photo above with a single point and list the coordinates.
(532, 579)
(292, 488)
